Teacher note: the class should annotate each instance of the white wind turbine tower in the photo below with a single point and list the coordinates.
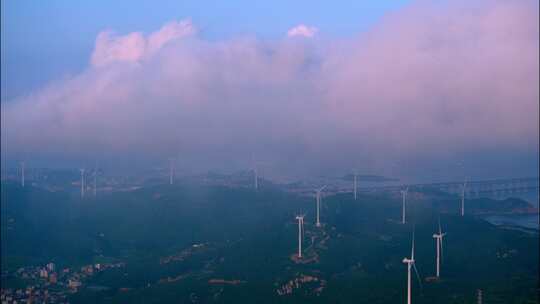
(255, 173)
(22, 173)
(404, 197)
(82, 182)
(354, 183)
(171, 170)
(439, 238)
(318, 191)
(256, 177)
(411, 264)
(300, 219)
(95, 182)
(463, 187)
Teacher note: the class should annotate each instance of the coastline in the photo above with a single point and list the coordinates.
(527, 222)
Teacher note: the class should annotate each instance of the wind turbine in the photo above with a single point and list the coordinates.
(95, 181)
(354, 184)
(439, 238)
(404, 197)
(82, 182)
(318, 191)
(22, 173)
(171, 170)
(255, 173)
(411, 264)
(300, 219)
(463, 198)
(256, 177)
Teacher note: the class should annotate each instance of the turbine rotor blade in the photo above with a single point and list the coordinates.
(412, 247)
(418, 276)
(440, 243)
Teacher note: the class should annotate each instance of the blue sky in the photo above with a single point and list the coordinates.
(48, 40)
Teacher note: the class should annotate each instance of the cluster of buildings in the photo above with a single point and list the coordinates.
(290, 286)
(47, 284)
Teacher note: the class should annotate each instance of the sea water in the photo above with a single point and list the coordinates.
(530, 221)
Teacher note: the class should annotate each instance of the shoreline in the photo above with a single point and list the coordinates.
(522, 222)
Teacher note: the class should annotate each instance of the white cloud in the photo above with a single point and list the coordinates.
(110, 48)
(302, 30)
(135, 46)
(169, 32)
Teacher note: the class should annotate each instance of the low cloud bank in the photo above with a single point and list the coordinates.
(429, 84)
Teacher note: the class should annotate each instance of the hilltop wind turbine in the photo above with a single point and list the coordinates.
(411, 264)
(439, 238)
(95, 182)
(318, 191)
(82, 182)
(171, 170)
(256, 177)
(463, 187)
(404, 197)
(22, 173)
(354, 183)
(255, 173)
(300, 219)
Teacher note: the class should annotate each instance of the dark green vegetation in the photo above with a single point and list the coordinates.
(249, 237)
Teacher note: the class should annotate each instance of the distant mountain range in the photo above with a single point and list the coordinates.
(486, 206)
(370, 178)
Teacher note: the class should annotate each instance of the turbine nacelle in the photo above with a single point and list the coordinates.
(318, 191)
(404, 191)
(407, 261)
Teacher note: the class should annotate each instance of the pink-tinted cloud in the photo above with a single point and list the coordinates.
(169, 32)
(432, 82)
(110, 48)
(134, 46)
(302, 30)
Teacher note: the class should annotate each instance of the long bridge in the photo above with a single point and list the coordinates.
(478, 188)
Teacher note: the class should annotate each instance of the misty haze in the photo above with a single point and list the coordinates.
(278, 152)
